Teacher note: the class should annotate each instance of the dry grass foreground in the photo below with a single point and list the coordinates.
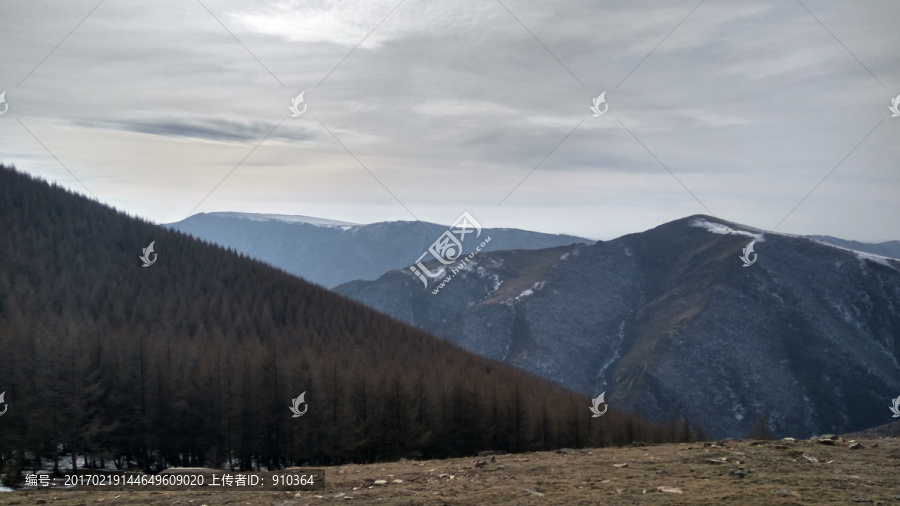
(735, 472)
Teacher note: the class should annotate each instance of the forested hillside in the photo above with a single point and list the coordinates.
(195, 359)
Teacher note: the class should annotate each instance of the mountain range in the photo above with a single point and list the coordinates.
(671, 321)
(193, 359)
(331, 252)
(187, 354)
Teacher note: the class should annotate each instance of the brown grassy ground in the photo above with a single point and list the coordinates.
(777, 472)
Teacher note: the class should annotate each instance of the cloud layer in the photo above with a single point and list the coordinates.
(425, 109)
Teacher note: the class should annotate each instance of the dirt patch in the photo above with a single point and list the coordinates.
(525, 268)
(737, 472)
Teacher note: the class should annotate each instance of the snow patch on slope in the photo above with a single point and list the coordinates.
(860, 255)
(472, 265)
(617, 346)
(530, 291)
(497, 283)
(878, 259)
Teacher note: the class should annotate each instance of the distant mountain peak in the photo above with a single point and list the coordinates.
(286, 218)
(331, 252)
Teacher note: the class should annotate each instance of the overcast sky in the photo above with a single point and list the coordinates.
(735, 109)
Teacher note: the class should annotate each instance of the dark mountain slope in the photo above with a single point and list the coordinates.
(195, 359)
(669, 321)
(334, 253)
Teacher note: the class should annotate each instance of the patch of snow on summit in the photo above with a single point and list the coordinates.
(719, 228)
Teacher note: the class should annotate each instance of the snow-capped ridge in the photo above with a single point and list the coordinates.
(286, 218)
(722, 229)
(862, 255)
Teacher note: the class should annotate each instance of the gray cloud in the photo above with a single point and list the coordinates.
(209, 129)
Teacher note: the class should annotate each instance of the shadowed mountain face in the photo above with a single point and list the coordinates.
(330, 253)
(669, 321)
